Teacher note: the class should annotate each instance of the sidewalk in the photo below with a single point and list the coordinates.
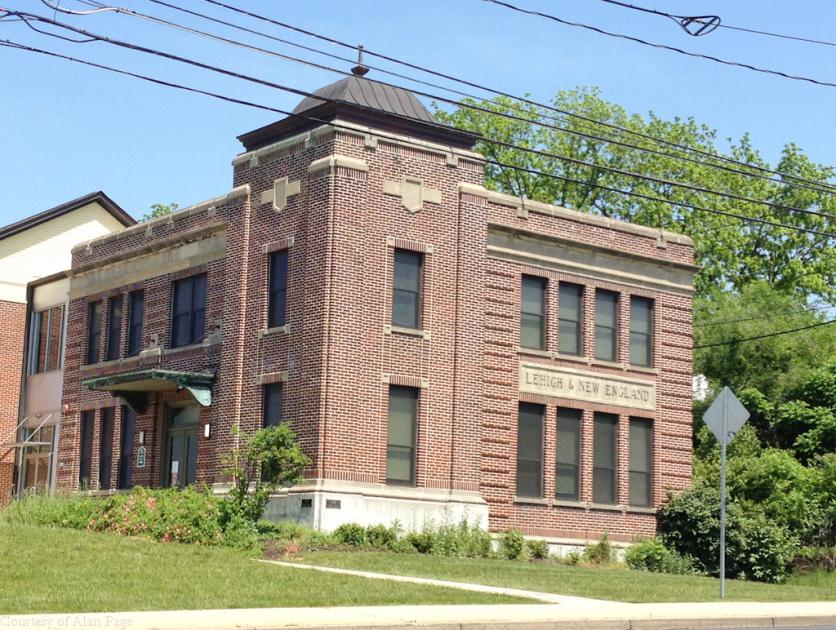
(480, 617)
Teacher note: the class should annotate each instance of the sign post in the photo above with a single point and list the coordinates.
(724, 417)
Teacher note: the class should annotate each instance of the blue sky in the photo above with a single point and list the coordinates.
(68, 130)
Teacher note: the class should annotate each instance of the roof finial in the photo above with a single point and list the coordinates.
(359, 70)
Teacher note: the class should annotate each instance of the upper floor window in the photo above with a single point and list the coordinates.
(271, 412)
(114, 327)
(568, 471)
(570, 333)
(401, 435)
(94, 331)
(278, 289)
(135, 317)
(46, 341)
(606, 325)
(189, 311)
(533, 316)
(406, 289)
(641, 331)
(530, 450)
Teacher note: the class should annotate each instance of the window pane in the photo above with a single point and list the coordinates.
(606, 325)
(605, 443)
(570, 301)
(114, 335)
(182, 296)
(605, 308)
(126, 448)
(641, 330)
(278, 288)
(605, 344)
(137, 314)
(532, 317)
(405, 308)
(401, 433)
(530, 450)
(533, 295)
(272, 410)
(567, 482)
(94, 331)
(408, 270)
(569, 337)
(532, 334)
(85, 450)
(641, 460)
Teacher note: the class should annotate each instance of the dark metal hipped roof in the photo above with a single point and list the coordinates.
(135, 385)
(380, 96)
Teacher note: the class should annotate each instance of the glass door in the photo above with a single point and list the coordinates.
(181, 446)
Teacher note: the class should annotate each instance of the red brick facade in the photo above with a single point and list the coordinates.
(12, 334)
(338, 353)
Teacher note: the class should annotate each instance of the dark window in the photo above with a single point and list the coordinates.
(137, 314)
(272, 409)
(94, 331)
(126, 449)
(189, 311)
(641, 331)
(114, 327)
(85, 450)
(278, 289)
(570, 334)
(530, 451)
(606, 326)
(568, 477)
(533, 316)
(641, 461)
(406, 289)
(46, 339)
(106, 447)
(402, 431)
(605, 458)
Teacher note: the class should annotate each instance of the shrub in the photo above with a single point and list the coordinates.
(241, 533)
(757, 548)
(810, 559)
(380, 536)
(422, 542)
(512, 544)
(350, 534)
(600, 552)
(573, 558)
(537, 549)
(653, 555)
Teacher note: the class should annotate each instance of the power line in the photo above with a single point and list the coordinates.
(621, 130)
(766, 336)
(338, 126)
(644, 42)
(765, 317)
(538, 152)
(820, 188)
(699, 19)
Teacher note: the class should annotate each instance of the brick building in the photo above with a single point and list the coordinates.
(441, 349)
(34, 254)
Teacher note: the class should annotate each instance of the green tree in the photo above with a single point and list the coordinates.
(160, 210)
(732, 253)
(264, 461)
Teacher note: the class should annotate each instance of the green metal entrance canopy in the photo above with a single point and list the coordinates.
(134, 386)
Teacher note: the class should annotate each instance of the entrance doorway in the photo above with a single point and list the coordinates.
(182, 435)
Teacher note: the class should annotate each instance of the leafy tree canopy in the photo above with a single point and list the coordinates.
(732, 253)
(160, 210)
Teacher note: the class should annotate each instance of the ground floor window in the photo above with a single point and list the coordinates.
(401, 435)
(182, 434)
(85, 450)
(106, 447)
(641, 461)
(530, 451)
(568, 469)
(605, 458)
(126, 450)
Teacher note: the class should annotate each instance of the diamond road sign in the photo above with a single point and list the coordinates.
(725, 406)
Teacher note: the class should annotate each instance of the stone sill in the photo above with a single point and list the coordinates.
(641, 510)
(531, 501)
(577, 358)
(108, 364)
(534, 352)
(410, 332)
(643, 370)
(276, 330)
(570, 504)
(606, 506)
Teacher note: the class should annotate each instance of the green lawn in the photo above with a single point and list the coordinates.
(60, 570)
(615, 583)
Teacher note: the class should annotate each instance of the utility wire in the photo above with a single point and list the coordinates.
(567, 130)
(644, 42)
(567, 113)
(538, 152)
(764, 317)
(766, 336)
(730, 27)
(336, 125)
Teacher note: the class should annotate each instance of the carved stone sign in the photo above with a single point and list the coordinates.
(562, 382)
